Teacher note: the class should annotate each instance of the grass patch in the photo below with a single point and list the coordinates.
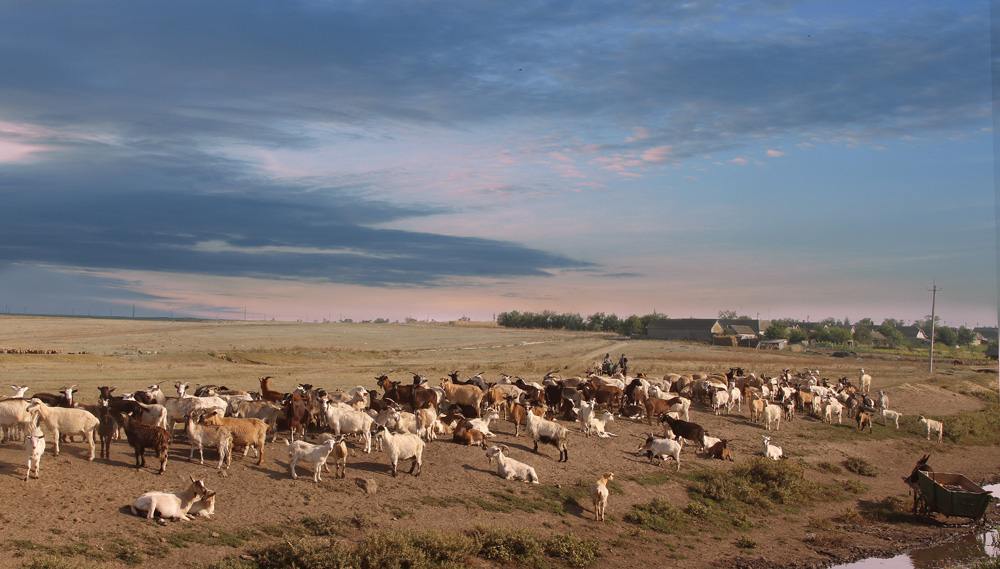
(759, 484)
(659, 515)
(853, 486)
(326, 525)
(828, 467)
(858, 465)
(422, 550)
(746, 542)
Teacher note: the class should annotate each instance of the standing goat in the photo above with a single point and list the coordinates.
(599, 495)
(34, 447)
(69, 422)
(549, 432)
(401, 447)
(932, 426)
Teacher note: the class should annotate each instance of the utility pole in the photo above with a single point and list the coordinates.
(934, 289)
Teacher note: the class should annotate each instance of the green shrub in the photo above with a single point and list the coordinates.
(858, 465)
(576, 551)
(746, 542)
(658, 515)
(507, 546)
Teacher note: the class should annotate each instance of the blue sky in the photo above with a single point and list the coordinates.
(311, 160)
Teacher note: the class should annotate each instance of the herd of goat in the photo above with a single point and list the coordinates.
(405, 417)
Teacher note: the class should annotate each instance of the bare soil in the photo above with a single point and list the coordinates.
(77, 512)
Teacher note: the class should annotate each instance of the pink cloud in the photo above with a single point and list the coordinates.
(658, 153)
(741, 161)
(775, 153)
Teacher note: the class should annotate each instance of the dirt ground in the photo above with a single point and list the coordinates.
(78, 513)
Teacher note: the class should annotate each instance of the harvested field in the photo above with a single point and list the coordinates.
(820, 505)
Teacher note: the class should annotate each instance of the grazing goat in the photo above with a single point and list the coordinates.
(15, 418)
(508, 468)
(246, 432)
(69, 422)
(349, 421)
(864, 418)
(660, 449)
(316, 455)
(141, 436)
(772, 414)
(893, 416)
(932, 426)
(401, 447)
(34, 447)
(339, 454)
(170, 504)
(772, 451)
(599, 495)
(106, 429)
(199, 436)
(548, 432)
(865, 381)
(685, 429)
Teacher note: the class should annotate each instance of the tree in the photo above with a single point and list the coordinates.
(839, 335)
(632, 325)
(862, 334)
(890, 322)
(727, 315)
(966, 336)
(795, 336)
(946, 335)
(893, 337)
(776, 331)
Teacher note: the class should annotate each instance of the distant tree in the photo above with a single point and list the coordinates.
(862, 334)
(838, 335)
(892, 335)
(595, 321)
(632, 325)
(796, 335)
(611, 323)
(966, 336)
(847, 321)
(890, 322)
(776, 330)
(828, 322)
(410, 319)
(865, 322)
(465, 319)
(727, 315)
(946, 335)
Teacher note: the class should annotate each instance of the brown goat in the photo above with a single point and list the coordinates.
(141, 436)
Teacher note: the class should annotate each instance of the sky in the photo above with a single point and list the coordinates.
(326, 160)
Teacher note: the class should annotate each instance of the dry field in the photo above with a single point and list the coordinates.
(76, 515)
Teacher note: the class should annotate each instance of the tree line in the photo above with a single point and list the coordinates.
(596, 322)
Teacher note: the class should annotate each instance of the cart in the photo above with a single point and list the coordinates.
(952, 495)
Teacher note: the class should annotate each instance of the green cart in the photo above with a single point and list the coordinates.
(952, 495)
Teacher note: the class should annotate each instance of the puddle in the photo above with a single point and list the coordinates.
(961, 553)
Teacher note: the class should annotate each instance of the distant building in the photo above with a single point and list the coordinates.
(758, 326)
(684, 329)
(914, 334)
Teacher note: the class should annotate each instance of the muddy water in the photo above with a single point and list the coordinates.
(961, 553)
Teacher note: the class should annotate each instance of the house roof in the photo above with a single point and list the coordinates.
(683, 324)
(742, 330)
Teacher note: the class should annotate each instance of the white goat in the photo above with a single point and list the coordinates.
(199, 436)
(63, 421)
(315, 455)
(205, 507)
(483, 423)
(893, 416)
(597, 424)
(833, 407)
(508, 468)
(932, 426)
(720, 401)
(584, 416)
(883, 400)
(549, 432)
(772, 414)
(599, 495)
(15, 418)
(170, 504)
(772, 451)
(660, 449)
(735, 398)
(34, 447)
(865, 381)
(345, 420)
(402, 446)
